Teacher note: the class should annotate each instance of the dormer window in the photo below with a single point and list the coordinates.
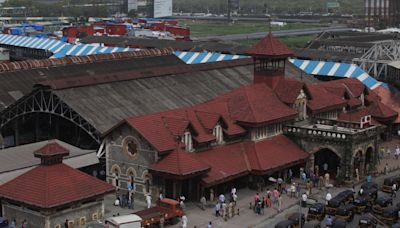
(217, 132)
(187, 140)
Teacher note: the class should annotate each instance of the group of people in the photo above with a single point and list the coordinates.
(272, 199)
(388, 152)
(125, 200)
(226, 208)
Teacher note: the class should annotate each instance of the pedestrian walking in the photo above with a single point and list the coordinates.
(328, 197)
(304, 200)
(297, 190)
(221, 198)
(217, 209)
(66, 224)
(211, 195)
(279, 203)
(325, 166)
(209, 225)
(148, 200)
(329, 222)
(13, 224)
(292, 190)
(290, 175)
(184, 221)
(162, 221)
(394, 190)
(203, 203)
(268, 201)
(386, 169)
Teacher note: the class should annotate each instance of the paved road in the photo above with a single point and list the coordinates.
(271, 222)
(292, 32)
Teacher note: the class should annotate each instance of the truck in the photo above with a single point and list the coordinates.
(169, 209)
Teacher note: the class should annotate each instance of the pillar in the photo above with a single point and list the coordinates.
(16, 131)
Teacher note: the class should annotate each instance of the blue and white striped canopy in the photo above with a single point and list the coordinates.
(334, 69)
(57, 47)
(205, 57)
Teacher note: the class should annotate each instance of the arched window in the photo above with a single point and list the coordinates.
(187, 140)
(218, 133)
(116, 172)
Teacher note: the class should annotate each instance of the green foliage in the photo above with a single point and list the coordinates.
(262, 6)
(206, 28)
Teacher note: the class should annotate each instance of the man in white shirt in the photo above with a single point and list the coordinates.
(304, 200)
(184, 221)
(328, 197)
(148, 200)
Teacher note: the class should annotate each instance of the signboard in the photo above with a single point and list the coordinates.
(162, 8)
(332, 5)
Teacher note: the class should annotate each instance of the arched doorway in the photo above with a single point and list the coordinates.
(327, 161)
(357, 163)
(368, 160)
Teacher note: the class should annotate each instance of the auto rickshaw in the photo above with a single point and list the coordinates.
(348, 196)
(367, 221)
(295, 217)
(316, 212)
(369, 185)
(339, 224)
(312, 224)
(345, 212)
(285, 224)
(371, 194)
(360, 203)
(334, 203)
(382, 203)
(390, 215)
(388, 183)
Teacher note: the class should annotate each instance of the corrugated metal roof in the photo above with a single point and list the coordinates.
(123, 99)
(59, 48)
(205, 57)
(335, 69)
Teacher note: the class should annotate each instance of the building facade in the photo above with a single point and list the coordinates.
(52, 193)
(253, 132)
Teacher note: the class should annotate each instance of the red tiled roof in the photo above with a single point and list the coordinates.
(354, 86)
(257, 104)
(53, 185)
(354, 102)
(271, 47)
(52, 149)
(275, 152)
(227, 162)
(288, 90)
(180, 163)
(391, 100)
(322, 100)
(381, 111)
(244, 157)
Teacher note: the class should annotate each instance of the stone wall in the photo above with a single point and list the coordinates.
(120, 161)
(88, 212)
(34, 219)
